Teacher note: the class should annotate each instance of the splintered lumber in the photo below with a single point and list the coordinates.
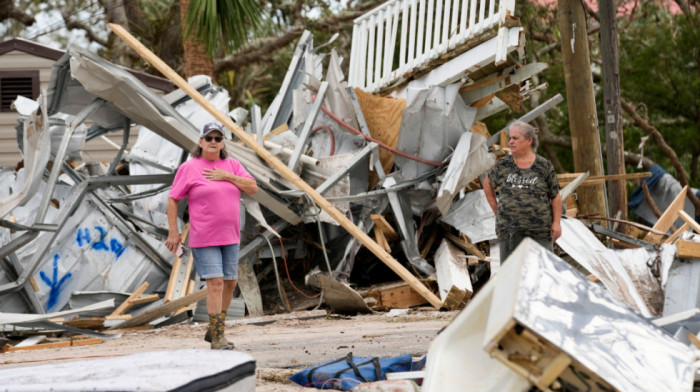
(250, 290)
(162, 310)
(677, 234)
(175, 271)
(465, 244)
(278, 165)
(381, 223)
(381, 239)
(566, 178)
(689, 220)
(127, 304)
(668, 217)
(71, 343)
(144, 299)
(688, 249)
(394, 295)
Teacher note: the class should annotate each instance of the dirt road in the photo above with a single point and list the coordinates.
(280, 348)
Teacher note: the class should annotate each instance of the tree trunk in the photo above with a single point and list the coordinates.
(617, 193)
(197, 62)
(581, 104)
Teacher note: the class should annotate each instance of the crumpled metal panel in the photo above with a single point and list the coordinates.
(432, 123)
(471, 158)
(624, 273)
(473, 216)
(542, 293)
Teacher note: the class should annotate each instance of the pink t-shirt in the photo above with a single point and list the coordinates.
(214, 206)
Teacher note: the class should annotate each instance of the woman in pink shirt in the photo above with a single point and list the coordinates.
(212, 183)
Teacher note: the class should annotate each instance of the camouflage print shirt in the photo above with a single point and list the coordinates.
(524, 197)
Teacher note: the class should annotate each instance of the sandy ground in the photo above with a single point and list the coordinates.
(280, 348)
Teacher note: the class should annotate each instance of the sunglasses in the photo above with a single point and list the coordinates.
(218, 139)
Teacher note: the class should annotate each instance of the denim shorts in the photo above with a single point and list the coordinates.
(217, 261)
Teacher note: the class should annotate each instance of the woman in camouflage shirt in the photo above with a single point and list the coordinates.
(528, 203)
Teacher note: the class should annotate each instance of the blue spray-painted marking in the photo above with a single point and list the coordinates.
(83, 238)
(100, 244)
(116, 247)
(54, 284)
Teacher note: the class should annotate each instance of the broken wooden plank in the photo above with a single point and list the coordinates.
(71, 343)
(394, 295)
(465, 244)
(144, 299)
(677, 234)
(594, 180)
(690, 221)
(687, 249)
(162, 310)
(278, 165)
(669, 216)
(175, 271)
(385, 227)
(250, 290)
(381, 239)
(126, 304)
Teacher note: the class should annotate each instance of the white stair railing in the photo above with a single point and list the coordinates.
(422, 30)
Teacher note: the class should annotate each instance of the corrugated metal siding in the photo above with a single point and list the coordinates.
(96, 150)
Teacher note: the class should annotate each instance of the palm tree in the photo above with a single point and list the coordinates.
(213, 25)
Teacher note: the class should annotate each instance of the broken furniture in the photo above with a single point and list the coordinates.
(541, 323)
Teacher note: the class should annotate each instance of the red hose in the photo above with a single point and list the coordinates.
(382, 145)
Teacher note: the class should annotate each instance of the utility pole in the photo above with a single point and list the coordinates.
(614, 145)
(583, 121)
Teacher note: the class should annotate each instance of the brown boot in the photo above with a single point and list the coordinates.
(217, 324)
(207, 336)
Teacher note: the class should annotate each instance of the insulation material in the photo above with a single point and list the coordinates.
(383, 118)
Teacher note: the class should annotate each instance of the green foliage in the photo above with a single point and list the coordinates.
(659, 64)
(222, 24)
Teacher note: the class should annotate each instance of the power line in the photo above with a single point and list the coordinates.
(50, 30)
(62, 20)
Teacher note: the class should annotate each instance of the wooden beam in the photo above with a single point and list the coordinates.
(175, 271)
(144, 299)
(677, 234)
(688, 249)
(278, 165)
(381, 239)
(126, 304)
(566, 178)
(385, 227)
(465, 244)
(162, 310)
(669, 216)
(71, 343)
(689, 220)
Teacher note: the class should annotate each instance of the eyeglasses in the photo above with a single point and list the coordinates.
(218, 139)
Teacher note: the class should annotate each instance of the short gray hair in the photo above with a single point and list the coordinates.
(527, 130)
